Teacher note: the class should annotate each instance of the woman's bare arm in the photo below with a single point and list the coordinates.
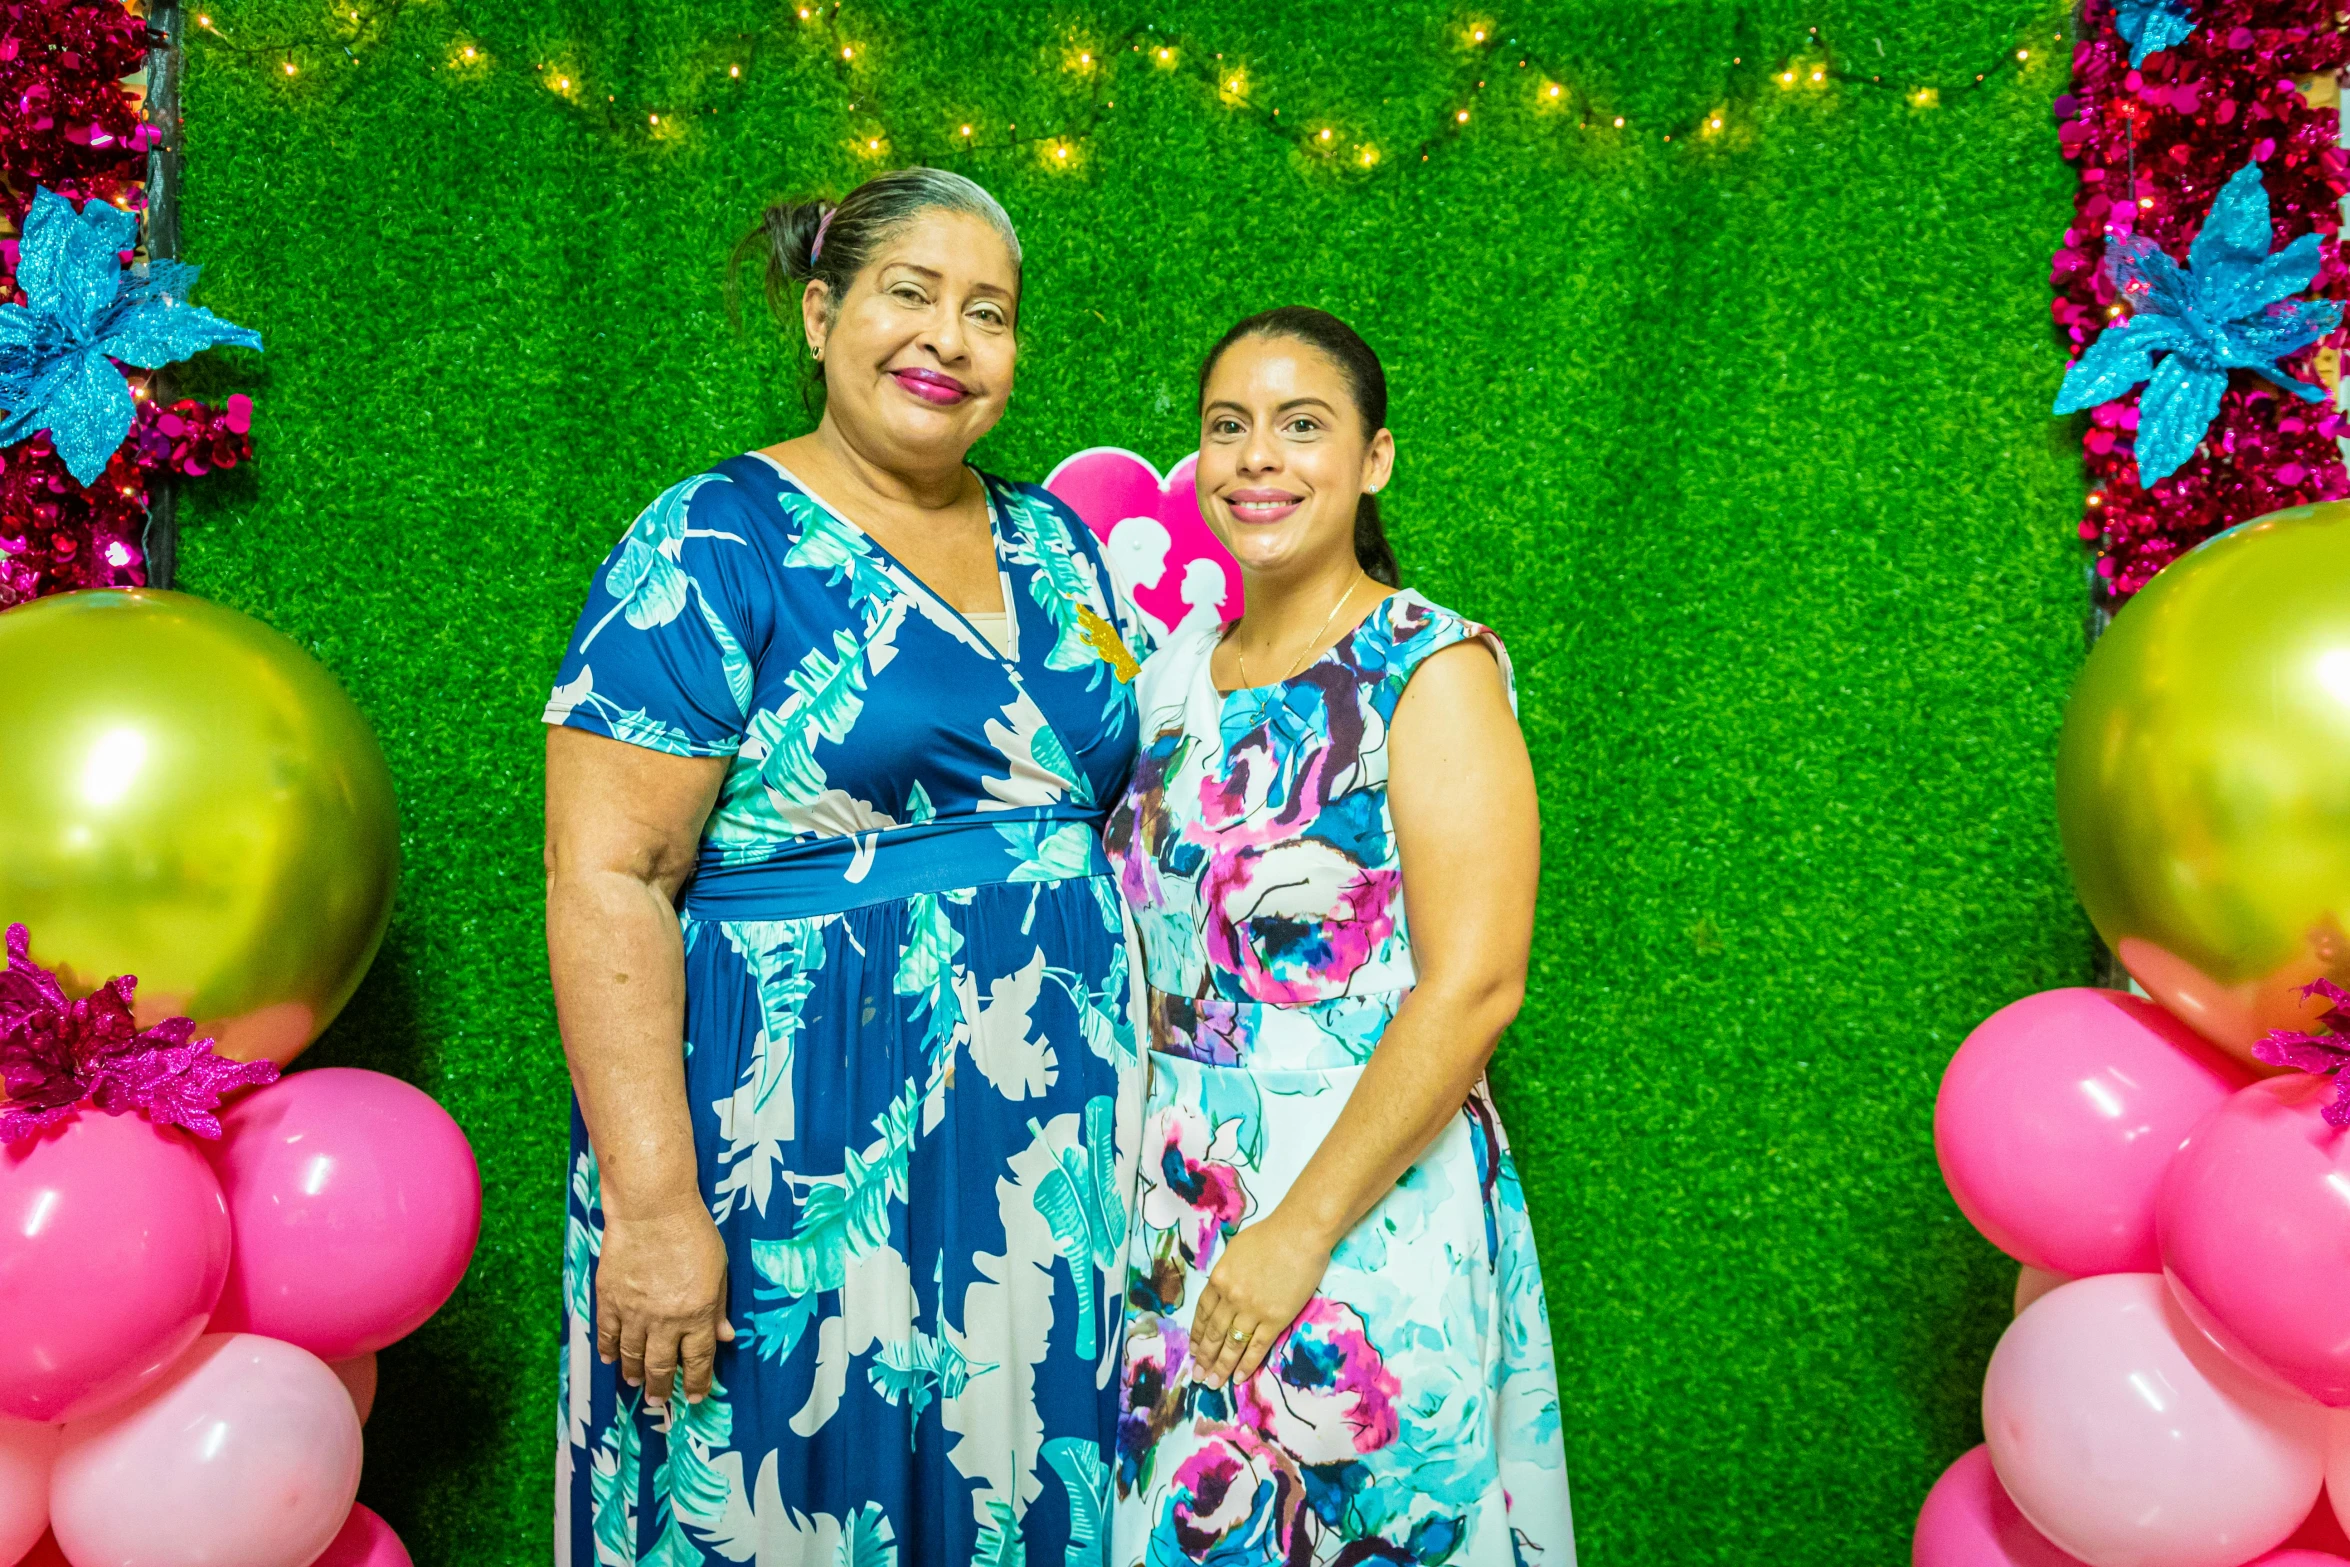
(623, 826)
(1461, 791)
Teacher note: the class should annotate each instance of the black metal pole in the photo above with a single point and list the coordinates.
(168, 21)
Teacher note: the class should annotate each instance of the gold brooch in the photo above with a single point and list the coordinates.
(1104, 639)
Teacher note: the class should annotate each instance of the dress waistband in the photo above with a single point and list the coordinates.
(832, 875)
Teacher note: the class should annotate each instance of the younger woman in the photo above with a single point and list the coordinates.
(1337, 1350)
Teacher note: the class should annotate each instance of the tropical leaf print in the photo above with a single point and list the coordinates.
(612, 1486)
(690, 1487)
(1086, 1477)
(838, 1221)
(758, 1527)
(583, 1237)
(731, 659)
(826, 543)
(918, 1369)
(926, 967)
(1064, 852)
(645, 579)
(783, 957)
(1079, 1198)
(1063, 579)
(1101, 1014)
(998, 1544)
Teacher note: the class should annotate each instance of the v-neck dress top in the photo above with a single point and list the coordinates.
(910, 1054)
(1410, 1413)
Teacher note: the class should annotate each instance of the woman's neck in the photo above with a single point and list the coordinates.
(844, 466)
(1298, 612)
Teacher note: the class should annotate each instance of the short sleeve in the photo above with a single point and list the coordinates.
(1417, 630)
(658, 657)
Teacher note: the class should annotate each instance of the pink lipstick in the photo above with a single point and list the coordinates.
(932, 386)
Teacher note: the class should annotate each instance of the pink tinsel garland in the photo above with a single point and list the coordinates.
(2154, 146)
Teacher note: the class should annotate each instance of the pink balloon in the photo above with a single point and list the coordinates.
(356, 1205)
(27, 1452)
(365, 1541)
(247, 1455)
(2058, 1116)
(2131, 1442)
(117, 1243)
(358, 1378)
(2256, 1233)
(1968, 1521)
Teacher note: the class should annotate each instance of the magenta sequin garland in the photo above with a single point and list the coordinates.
(2154, 146)
(68, 121)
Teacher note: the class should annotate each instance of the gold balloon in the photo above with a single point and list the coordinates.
(2203, 780)
(187, 796)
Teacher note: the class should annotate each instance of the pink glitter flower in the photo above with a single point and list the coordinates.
(57, 1053)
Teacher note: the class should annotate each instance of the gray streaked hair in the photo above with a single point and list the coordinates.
(822, 240)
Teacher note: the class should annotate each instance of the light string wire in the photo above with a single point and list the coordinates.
(1488, 58)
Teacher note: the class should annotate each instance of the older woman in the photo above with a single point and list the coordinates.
(1339, 1352)
(839, 962)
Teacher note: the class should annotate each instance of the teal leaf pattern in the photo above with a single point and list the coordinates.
(645, 580)
(828, 544)
(1059, 584)
(756, 1120)
(1080, 1199)
(1065, 852)
(1086, 1477)
(613, 1477)
(999, 1538)
(849, 1219)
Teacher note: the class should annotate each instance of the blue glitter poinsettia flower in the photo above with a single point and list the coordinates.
(2229, 308)
(84, 308)
(2149, 26)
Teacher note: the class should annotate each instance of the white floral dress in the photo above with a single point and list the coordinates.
(1410, 1414)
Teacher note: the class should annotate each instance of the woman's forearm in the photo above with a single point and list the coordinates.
(1415, 1083)
(618, 966)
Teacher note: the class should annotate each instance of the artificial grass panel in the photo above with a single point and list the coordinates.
(1742, 445)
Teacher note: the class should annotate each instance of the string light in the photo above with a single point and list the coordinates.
(1233, 87)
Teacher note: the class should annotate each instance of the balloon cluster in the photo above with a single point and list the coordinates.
(2165, 1396)
(190, 1305)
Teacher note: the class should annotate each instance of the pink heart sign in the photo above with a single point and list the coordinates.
(1151, 532)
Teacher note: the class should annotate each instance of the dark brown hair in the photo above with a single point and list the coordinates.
(1366, 383)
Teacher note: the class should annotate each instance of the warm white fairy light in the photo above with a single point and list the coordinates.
(734, 70)
(1461, 116)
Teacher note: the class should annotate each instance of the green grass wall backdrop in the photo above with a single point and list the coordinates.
(1740, 440)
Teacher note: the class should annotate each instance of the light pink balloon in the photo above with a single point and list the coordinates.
(358, 1378)
(27, 1452)
(117, 1244)
(2031, 1283)
(2127, 1439)
(365, 1541)
(1968, 1521)
(2255, 1222)
(248, 1456)
(2057, 1118)
(356, 1203)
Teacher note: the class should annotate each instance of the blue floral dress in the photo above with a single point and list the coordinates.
(1410, 1414)
(910, 1049)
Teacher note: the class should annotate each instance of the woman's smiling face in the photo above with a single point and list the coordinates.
(1283, 455)
(918, 358)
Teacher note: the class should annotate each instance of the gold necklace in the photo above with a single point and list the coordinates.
(1299, 661)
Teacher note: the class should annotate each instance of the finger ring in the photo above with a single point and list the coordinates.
(1238, 1335)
